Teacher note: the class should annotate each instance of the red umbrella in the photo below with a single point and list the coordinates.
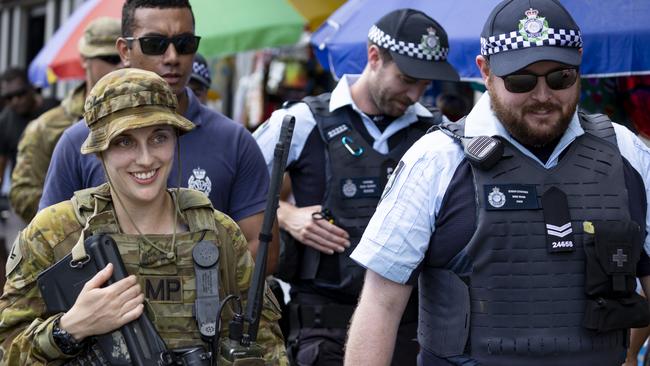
(60, 59)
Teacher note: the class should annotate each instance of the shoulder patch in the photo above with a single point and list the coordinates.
(392, 178)
(191, 198)
(15, 257)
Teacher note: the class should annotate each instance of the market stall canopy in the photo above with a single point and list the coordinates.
(226, 27)
(60, 59)
(615, 33)
(230, 26)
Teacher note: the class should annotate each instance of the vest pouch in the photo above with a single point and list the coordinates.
(604, 315)
(612, 252)
(444, 317)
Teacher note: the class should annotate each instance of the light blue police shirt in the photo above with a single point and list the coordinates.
(268, 133)
(397, 237)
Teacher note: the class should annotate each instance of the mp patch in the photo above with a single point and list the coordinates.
(163, 289)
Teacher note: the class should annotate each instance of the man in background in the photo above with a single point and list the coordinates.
(219, 157)
(99, 57)
(200, 79)
(344, 147)
(23, 104)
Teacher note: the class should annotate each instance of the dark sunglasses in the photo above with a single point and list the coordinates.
(185, 44)
(110, 59)
(15, 94)
(525, 81)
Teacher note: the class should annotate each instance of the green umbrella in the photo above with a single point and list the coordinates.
(230, 26)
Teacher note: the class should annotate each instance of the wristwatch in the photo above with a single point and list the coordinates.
(65, 341)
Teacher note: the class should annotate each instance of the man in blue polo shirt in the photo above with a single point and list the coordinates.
(219, 157)
(524, 223)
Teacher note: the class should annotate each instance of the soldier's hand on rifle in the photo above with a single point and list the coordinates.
(99, 310)
(318, 234)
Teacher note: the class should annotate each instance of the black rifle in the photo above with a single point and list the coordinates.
(240, 344)
(60, 286)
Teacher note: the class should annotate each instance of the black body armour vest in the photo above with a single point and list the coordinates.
(356, 175)
(516, 296)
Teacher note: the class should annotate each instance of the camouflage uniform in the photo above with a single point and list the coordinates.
(123, 100)
(41, 135)
(25, 329)
(35, 151)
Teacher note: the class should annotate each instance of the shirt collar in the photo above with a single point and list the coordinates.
(482, 121)
(341, 97)
(194, 108)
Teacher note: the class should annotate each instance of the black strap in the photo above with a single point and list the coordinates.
(321, 316)
(206, 306)
(598, 125)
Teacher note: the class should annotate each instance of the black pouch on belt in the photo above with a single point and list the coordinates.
(613, 249)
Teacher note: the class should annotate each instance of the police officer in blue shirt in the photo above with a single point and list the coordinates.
(344, 147)
(525, 223)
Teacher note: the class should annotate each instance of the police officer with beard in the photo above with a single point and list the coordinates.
(344, 147)
(525, 223)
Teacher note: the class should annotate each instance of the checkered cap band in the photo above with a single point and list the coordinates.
(514, 41)
(410, 49)
(201, 70)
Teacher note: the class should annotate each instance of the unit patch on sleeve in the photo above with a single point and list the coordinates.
(14, 258)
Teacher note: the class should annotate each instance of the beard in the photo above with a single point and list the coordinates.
(530, 133)
(393, 106)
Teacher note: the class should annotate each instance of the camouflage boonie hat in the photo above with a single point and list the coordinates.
(127, 99)
(99, 38)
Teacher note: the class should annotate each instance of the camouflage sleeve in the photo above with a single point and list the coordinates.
(269, 335)
(28, 176)
(25, 329)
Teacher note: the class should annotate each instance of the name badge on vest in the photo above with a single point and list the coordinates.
(360, 187)
(510, 197)
(335, 131)
(559, 234)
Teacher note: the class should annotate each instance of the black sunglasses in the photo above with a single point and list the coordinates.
(185, 44)
(525, 81)
(15, 94)
(110, 59)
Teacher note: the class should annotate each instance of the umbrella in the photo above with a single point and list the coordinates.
(226, 27)
(60, 57)
(614, 32)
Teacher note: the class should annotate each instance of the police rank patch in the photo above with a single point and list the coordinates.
(557, 218)
(163, 289)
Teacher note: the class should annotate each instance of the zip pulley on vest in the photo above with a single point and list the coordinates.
(481, 151)
(241, 342)
(349, 144)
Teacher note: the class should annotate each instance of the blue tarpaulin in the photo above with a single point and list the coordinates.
(616, 33)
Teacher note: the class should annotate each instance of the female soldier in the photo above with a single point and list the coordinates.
(133, 131)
